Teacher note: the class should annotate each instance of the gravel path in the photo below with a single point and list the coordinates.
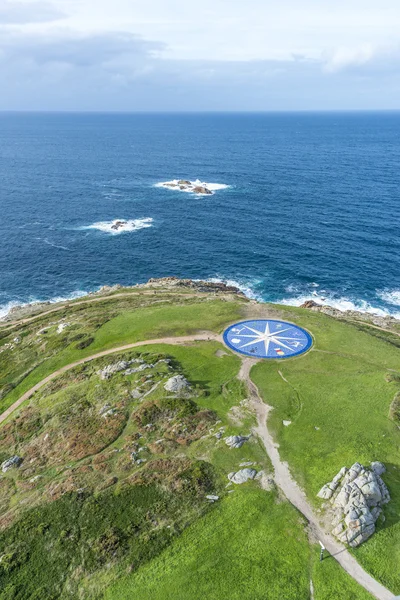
(297, 497)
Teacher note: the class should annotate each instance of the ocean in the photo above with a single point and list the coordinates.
(305, 205)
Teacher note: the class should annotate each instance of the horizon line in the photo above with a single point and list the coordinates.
(200, 112)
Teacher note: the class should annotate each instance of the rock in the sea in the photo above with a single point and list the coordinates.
(242, 476)
(118, 225)
(200, 189)
(236, 441)
(357, 496)
(177, 384)
(10, 463)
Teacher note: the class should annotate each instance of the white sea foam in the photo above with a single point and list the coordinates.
(125, 227)
(341, 304)
(243, 286)
(390, 296)
(213, 187)
(5, 308)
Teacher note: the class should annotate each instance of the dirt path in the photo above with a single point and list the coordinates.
(297, 497)
(282, 476)
(200, 337)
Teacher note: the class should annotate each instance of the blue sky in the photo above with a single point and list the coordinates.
(199, 55)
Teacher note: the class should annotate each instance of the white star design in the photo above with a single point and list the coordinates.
(267, 337)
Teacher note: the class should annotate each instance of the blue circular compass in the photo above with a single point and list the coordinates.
(267, 339)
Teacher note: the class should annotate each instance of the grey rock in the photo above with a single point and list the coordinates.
(242, 476)
(357, 496)
(121, 365)
(378, 468)
(236, 441)
(212, 498)
(10, 463)
(177, 384)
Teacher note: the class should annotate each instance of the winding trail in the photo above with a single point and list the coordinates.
(282, 476)
(297, 497)
(203, 336)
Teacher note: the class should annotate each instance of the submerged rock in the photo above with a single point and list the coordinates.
(357, 496)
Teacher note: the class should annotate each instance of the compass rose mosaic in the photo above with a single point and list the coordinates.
(267, 339)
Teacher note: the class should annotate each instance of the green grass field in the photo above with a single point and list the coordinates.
(251, 546)
(338, 400)
(146, 532)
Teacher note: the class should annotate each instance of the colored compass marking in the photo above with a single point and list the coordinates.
(267, 339)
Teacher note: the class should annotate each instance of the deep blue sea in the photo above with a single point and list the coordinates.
(312, 209)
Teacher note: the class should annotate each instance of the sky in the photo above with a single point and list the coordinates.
(199, 55)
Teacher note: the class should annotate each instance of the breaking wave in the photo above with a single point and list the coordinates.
(190, 186)
(118, 226)
(5, 308)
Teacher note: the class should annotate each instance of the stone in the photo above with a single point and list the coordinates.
(325, 493)
(242, 476)
(212, 498)
(10, 463)
(378, 468)
(287, 423)
(357, 503)
(119, 366)
(62, 326)
(199, 189)
(177, 384)
(118, 225)
(236, 441)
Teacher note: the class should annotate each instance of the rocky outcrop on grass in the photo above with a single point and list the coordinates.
(10, 463)
(242, 476)
(177, 384)
(119, 366)
(236, 441)
(357, 495)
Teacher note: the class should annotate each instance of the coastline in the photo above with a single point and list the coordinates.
(27, 310)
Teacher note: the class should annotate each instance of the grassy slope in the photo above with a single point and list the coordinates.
(134, 326)
(340, 388)
(251, 546)
(334, 391)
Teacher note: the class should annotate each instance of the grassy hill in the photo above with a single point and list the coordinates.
(110, 500)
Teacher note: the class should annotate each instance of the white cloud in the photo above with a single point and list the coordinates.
(14, 12)
(200, 55)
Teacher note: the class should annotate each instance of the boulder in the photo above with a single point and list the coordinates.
(118, 225)
(121, 365)
(199, 189)
(236, 441)
(10, 463)
(357, 496)
(177, 384)
(378, 468)
(242, 476)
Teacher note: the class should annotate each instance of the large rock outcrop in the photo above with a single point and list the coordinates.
(177, 385)
(242, 476)
(357, 495)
